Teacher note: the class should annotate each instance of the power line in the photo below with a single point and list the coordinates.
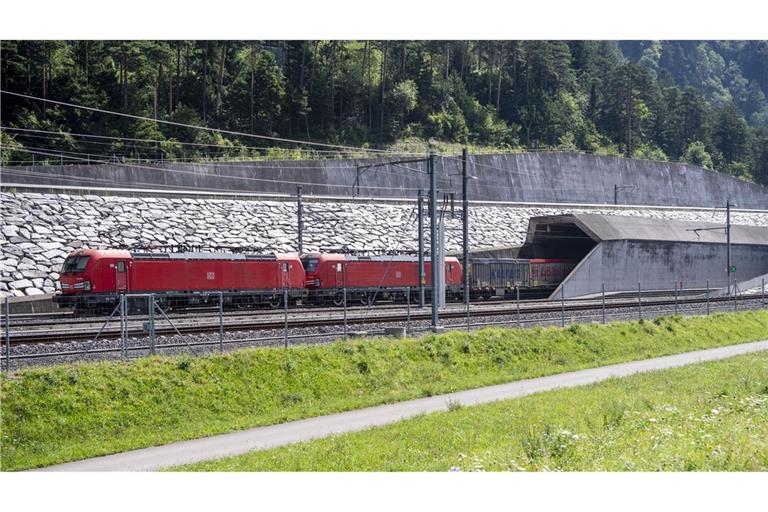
(166, 141)
(183, 125)
(92, 159)
(182, 171)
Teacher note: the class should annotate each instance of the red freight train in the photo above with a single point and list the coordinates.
(371, 278)
(92, 278)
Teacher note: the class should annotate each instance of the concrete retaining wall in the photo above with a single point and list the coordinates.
(621, 264)
(530, 177)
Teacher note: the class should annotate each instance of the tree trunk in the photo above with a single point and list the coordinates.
(205, 84)
(45, 83)
(87, 60)
(403, 60)
(178, 73)
(498, 77)
(369, 86)
(303, 63)
(124, 77)
(514, 66)
(220, 91)
(447, 59)
(29, 75)
(157, 88)
(312, 71)
(253, 64)
(332, 74)
(490, 74)
(383, 81)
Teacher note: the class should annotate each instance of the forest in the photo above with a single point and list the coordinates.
(702, 102)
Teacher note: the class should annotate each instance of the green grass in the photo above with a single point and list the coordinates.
(705, 417)
(71, 412)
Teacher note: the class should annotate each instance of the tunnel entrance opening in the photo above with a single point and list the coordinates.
(564, 241)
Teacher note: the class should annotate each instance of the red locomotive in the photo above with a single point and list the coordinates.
(371, 278)
(93, 278)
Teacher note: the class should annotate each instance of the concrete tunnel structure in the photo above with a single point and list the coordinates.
(620, 252)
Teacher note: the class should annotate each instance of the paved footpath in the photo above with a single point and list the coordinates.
(236, 443)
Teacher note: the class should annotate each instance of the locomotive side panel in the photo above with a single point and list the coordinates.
(375, 274)
(216, 275)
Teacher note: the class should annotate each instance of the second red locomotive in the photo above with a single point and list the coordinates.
(371, 278)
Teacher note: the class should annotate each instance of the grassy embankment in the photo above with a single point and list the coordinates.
(75, 411)
(706, 417)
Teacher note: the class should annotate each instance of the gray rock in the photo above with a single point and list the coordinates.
(13, 249)
(42, 230)
(10, 231)
(50, 245)
(52, 254)
(20, 284)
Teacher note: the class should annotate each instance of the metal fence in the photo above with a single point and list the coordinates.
(135, 325)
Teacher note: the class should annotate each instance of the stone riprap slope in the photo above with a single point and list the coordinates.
(39, 230)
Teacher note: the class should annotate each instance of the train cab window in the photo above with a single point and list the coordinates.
(75, 264)
(121, 266)
(310, 264)
(285, 267)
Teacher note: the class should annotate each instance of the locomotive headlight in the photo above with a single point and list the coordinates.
(87, 286)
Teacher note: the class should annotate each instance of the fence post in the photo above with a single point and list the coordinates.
(221, 321)
(7, 334)
(151, 300)
(675, 297)
(762, 294)
(562, 305)
(517, 300)
(707, 297)
(124, 324)
(408, 310)
(344, 295)
(639, 302)
(285, 309)
(603, 292)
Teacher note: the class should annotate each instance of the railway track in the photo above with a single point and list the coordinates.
(19, 320)
(85, 331)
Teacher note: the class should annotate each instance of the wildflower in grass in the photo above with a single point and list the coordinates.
(454, 469)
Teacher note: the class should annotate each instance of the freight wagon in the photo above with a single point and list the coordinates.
(500, 277)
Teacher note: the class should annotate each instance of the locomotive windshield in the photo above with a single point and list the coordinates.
(74, 264)
(310, 264)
